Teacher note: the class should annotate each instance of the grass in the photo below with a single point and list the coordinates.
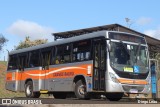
(3, 65)
(3, 92)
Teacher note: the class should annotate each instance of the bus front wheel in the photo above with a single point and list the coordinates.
(80, 90)
(29, 91)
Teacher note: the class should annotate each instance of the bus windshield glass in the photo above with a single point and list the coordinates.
(126, 57)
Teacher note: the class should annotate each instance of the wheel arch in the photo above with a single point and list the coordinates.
(79, 77)
(28, 79)
(33, 93)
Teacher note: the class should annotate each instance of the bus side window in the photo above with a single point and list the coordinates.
(34, 59)
(59, 55)
(46, 57)
(22, 61)
(63, 54)
(53, 58)
(12, 64)
(81, 50)
(67, 53)
(57, 61)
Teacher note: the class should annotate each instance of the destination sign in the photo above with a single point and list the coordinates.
(126, 37)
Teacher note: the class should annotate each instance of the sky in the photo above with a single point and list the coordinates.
(40, 18)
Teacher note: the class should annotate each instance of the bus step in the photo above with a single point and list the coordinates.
(43, 91)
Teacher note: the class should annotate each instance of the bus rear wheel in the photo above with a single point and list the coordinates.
(29, 91)
(114, 96)
(80, 90)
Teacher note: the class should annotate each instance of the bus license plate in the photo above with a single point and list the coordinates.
(133, 91)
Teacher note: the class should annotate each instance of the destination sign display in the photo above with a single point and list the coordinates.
(126, 37)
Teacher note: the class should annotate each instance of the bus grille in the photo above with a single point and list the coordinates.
(127, 88)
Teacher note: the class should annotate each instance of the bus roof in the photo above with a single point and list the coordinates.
(67, 40)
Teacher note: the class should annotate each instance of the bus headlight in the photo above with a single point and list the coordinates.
(113, 77)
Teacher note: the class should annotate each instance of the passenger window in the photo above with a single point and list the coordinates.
(67, 53)
(46, 56)
(34, 59)
(23, 62)
(53, 53)
(59, 55)
(63, 53)
(81, 50)
(12, 64)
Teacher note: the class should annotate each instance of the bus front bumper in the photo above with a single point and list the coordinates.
(127, 88)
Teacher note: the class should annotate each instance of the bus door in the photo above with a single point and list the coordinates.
(99, 62)
(46, 56)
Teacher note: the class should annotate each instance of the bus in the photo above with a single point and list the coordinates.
(108, 63)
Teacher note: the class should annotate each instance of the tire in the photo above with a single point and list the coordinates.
(114, 96)
(80, 90)
(29, 91)
(60, 95)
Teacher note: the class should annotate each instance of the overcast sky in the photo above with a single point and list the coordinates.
(39, 18)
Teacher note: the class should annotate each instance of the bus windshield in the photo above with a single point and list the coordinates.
(125, 56)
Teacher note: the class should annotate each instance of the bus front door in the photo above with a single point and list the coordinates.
(99, 63)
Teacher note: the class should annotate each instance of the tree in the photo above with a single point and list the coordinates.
(28, 43)
(3, 40)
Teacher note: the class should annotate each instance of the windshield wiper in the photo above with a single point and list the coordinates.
(125, 48)
(129, 56)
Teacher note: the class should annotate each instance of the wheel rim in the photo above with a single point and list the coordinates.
(81, 89)
(28, 90)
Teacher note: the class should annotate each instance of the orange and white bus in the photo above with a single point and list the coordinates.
(108, 63)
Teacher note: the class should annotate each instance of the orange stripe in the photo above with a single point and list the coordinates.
(9, 76)
(124, 81)
(128, 81)
(141, 82)
(23, 75)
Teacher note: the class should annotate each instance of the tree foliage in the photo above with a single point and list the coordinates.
(3, 40)
(28, 43)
